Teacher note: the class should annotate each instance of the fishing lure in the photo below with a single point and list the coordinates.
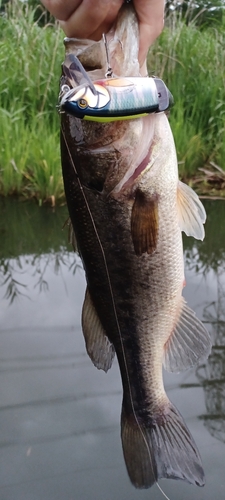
(111, 98)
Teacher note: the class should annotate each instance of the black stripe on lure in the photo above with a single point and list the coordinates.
(111, 98)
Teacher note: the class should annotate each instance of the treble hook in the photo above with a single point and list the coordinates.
(109, 72)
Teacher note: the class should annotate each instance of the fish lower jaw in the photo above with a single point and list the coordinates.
(138, 170)
(135, 175)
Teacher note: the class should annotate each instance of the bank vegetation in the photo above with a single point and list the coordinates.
(188, 56)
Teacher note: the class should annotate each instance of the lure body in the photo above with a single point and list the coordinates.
(111, 99)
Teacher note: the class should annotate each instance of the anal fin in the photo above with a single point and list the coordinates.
(189, 342)
(98, 346)
(144, 223)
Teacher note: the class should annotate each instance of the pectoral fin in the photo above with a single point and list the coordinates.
(189, 342)
(144, 223)
(191, 212)
(98, 346)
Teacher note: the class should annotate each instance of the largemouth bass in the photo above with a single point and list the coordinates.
(128, 209)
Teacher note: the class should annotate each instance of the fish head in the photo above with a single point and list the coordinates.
(105, 154)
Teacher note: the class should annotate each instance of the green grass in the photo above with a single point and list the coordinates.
(190, 60)
(30, 59)
(192, 63)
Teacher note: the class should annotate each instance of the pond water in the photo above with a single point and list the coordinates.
(59, 415)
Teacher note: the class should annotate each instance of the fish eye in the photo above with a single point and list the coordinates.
(82, 103)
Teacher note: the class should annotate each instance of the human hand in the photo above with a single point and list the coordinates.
(150, 15)
(92, 18)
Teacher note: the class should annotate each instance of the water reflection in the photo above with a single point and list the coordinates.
(31, 242)
(209, 254)
(208, 259)
(60, 413)
(212, 375)
(15, 273)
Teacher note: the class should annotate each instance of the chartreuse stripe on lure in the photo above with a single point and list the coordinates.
(110, 99)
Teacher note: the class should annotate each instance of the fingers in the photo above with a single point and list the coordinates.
(151, 21)
(84, 18)
(61, 9)
(91, 18)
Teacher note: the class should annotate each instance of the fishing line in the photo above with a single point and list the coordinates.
(115, 312)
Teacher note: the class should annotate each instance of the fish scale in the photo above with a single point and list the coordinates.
(128, 209)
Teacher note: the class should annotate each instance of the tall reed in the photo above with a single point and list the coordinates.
(191, 61)
(30, 59)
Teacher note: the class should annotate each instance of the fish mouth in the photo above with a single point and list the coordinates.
(143, 157)
(129, 180)
(139, 171)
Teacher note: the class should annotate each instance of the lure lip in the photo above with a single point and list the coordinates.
(165, 97)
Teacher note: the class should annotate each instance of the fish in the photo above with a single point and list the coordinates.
(128, 209)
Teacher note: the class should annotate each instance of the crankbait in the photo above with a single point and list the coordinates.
(111, 98)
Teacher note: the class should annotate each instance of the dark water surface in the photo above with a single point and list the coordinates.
(59, 415)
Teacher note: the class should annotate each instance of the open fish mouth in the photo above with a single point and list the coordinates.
(140, 170)
(145, 156)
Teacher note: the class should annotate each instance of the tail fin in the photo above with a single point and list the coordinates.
(162, 449)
